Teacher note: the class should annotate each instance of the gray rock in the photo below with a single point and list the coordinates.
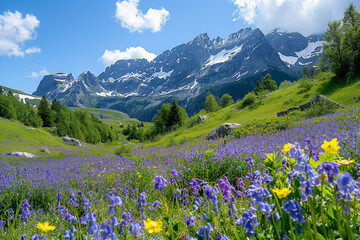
(308, 104)
(23, 154)
(202, 118)
(45, 150)
(224, 130)
(71, 140)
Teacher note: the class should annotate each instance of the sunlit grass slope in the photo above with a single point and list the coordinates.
(15, 137)
(109, 116)
(324, 83)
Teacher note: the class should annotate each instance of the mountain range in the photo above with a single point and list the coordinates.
(187, 72)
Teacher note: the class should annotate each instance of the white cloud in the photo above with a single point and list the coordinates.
(109, 57)
(14, 31)
(32, 50)
(304, 16)
(132, 18)
(42, 72)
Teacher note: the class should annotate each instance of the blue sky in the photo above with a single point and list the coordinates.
(72, 36)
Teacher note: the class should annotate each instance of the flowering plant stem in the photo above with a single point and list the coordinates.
(276, 234)
(322, 209)
(337, 211)
(310, 201)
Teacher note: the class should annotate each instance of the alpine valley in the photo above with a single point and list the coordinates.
(187, 72)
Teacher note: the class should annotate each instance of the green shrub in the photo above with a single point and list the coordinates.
(123, 150)
(248, 100)
(305, 85)
(263, 126)
(319, 109)
(205, 167)
(286, 84)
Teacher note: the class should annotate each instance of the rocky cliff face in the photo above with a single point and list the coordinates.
(187, 72)
(295, 50)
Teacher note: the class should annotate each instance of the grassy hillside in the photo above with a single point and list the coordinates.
(15, 137)
(282, 99)
(109, 116)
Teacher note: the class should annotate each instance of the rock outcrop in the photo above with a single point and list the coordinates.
(224, 130)
(302, 107)
(71, 140)
(202, 118)
(22, 154)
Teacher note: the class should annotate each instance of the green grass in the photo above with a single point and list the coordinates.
(109, 116)
(15, 137)
(324, 83)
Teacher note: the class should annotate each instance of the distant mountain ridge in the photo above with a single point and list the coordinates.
(187, 72)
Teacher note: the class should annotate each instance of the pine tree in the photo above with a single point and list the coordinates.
(226, 100)
(45, 112)
(211, 104)
(257, 88)
(174, 115)
(56, 106)
(351, 42)
(334, 49)
(312, 71)
(305, 72)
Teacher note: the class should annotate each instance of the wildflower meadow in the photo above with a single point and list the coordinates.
(299, 183)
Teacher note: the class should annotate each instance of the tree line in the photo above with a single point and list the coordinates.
(342, 47)
(78, 124)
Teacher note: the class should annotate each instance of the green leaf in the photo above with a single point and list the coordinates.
(176, 227)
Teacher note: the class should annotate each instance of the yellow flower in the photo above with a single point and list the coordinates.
(286, 148)
(282, 193)
(153, 226)
(330, 147)
(155, 167)
(345, 162)
(139, 176)
(45, 227)
(323, 177)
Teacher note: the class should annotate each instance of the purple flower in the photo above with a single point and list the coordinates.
(331, 168)
(190, 221)
(194, 186)
(265, 208)
(160, 183)
(204, 231)
(58, 198)
(293, 208)
(135, 229)
(190, 238)
(346, 186)
(25, 211)
(156, 203)
(114, 201)
(225, 186)
(222, 237)
(35, 237)
(248, 221)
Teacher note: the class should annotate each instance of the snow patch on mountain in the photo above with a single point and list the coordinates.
(223, 56)
(162, 74)
(313, 49)
(309, 51)
(22, 97)
(290, 60)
